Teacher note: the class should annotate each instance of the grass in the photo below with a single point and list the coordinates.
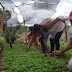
(19, 59)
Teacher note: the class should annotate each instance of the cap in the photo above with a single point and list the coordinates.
(70, 16)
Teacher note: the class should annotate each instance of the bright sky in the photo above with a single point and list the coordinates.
(63, 8)
(36, 16)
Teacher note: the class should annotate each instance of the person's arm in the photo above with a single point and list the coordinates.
(69, 46)
(1, 24)
(45, 41)
(31, 42)
(28, 40)
(36, 43)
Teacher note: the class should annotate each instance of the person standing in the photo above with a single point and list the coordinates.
(69, 46)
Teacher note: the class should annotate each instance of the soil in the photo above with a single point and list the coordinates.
(1, 57)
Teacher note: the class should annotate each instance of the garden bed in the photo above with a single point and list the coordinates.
(18, 59)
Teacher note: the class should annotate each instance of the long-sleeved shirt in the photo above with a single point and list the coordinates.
(70, 34)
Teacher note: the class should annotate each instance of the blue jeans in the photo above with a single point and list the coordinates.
(55, 41)
(42, 42)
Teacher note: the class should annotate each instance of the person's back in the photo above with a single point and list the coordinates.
(46, 23)
(58, 27)
(50, 23)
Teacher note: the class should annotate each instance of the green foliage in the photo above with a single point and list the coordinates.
(19, 59)
(8, 15)
(1, 12)
(22, 29)
(67, 27)
(1, 43)
(11, 34)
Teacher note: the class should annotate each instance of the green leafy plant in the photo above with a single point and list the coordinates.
(1, 43)
(19, 59)
(11, 34)
(1, 46)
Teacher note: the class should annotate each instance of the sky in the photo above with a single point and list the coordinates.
(36, 13)
(63, 8)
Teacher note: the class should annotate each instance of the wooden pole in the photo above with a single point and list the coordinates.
(4, 14)
(25, 31)
(66, 31)
(1, 24)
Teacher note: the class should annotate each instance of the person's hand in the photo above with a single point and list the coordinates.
(56, 52)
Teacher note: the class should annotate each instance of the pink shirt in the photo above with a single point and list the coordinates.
(58, 27)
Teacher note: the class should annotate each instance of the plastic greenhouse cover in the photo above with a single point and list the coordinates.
(32, 11)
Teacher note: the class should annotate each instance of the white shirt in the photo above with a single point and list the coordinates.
(70, 34)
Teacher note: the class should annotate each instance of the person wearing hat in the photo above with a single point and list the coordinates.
(1, 24)
(69, 46)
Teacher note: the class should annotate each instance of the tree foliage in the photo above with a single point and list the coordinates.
(11, 34)
(7, 15)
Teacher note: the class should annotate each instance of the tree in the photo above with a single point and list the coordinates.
(11, 34)
(8, 15)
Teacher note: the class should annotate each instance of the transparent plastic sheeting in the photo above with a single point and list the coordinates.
(32, 11)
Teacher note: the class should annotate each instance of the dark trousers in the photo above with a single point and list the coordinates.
(55, 41)
(42, 43)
